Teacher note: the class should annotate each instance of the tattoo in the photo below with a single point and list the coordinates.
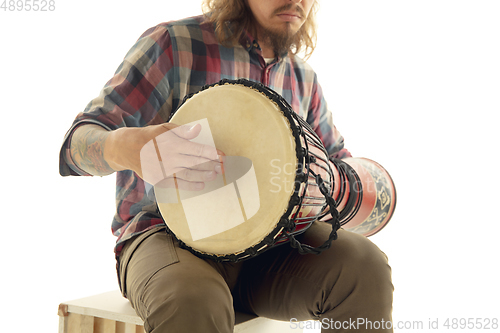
(87, 150)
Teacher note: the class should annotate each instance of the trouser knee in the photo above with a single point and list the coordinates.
(192, 304)
(363, 288)
(204, 294)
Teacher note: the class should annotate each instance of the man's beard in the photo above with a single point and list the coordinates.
(281, 41)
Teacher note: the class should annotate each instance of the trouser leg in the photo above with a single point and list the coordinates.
(174, 291)
(351, 280)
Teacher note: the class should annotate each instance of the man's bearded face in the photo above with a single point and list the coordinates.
(278, 21)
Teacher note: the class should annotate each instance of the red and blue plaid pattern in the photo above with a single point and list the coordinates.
(168, 62)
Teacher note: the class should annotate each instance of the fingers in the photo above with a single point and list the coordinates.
(192, 179)
(221, 155)
(188, 165)
(187, 132)
(199, 150)
(171, 155)
(181, 184)
(188, 179)
(192, 175)
(177, 141)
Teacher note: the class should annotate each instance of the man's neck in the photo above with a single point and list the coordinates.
(267, 51)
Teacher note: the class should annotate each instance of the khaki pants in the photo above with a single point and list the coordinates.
(172, 290)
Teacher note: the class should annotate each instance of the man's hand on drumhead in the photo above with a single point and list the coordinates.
(170, 159)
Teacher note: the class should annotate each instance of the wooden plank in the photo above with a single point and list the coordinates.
(102, 325)
(77, 323)
(63, 324)
(111, 305)
(87, 324)
(122, 327)
(74, 321)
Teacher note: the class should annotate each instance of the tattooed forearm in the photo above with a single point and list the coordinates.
(87, 150)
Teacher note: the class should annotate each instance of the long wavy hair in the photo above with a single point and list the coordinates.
(232, 17)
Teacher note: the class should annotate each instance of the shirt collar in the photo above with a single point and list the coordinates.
(248, 42)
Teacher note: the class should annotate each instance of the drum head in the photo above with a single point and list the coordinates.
(243, 122)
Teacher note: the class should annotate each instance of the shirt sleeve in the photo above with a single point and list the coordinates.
(137, 95)
(320, 119)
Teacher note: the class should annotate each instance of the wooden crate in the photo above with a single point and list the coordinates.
(111, 313)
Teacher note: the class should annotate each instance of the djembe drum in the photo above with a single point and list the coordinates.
(278, 179)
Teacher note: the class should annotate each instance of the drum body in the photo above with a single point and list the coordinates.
(371, 193)
(278, 178)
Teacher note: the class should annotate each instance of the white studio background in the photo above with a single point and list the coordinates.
(413, 85)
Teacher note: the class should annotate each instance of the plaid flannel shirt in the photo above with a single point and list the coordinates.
(168, 62)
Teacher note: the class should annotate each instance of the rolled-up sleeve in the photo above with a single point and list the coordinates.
(137, 95)
(320, 118)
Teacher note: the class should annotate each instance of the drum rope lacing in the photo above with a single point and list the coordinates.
(354, 202)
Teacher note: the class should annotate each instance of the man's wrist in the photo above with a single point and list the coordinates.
(88, 144)
(122, 149)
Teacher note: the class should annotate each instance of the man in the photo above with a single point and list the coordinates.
(169, 287)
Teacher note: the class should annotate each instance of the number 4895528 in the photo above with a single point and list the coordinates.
(28, 5)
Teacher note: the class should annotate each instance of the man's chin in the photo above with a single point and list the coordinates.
(281, 40)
